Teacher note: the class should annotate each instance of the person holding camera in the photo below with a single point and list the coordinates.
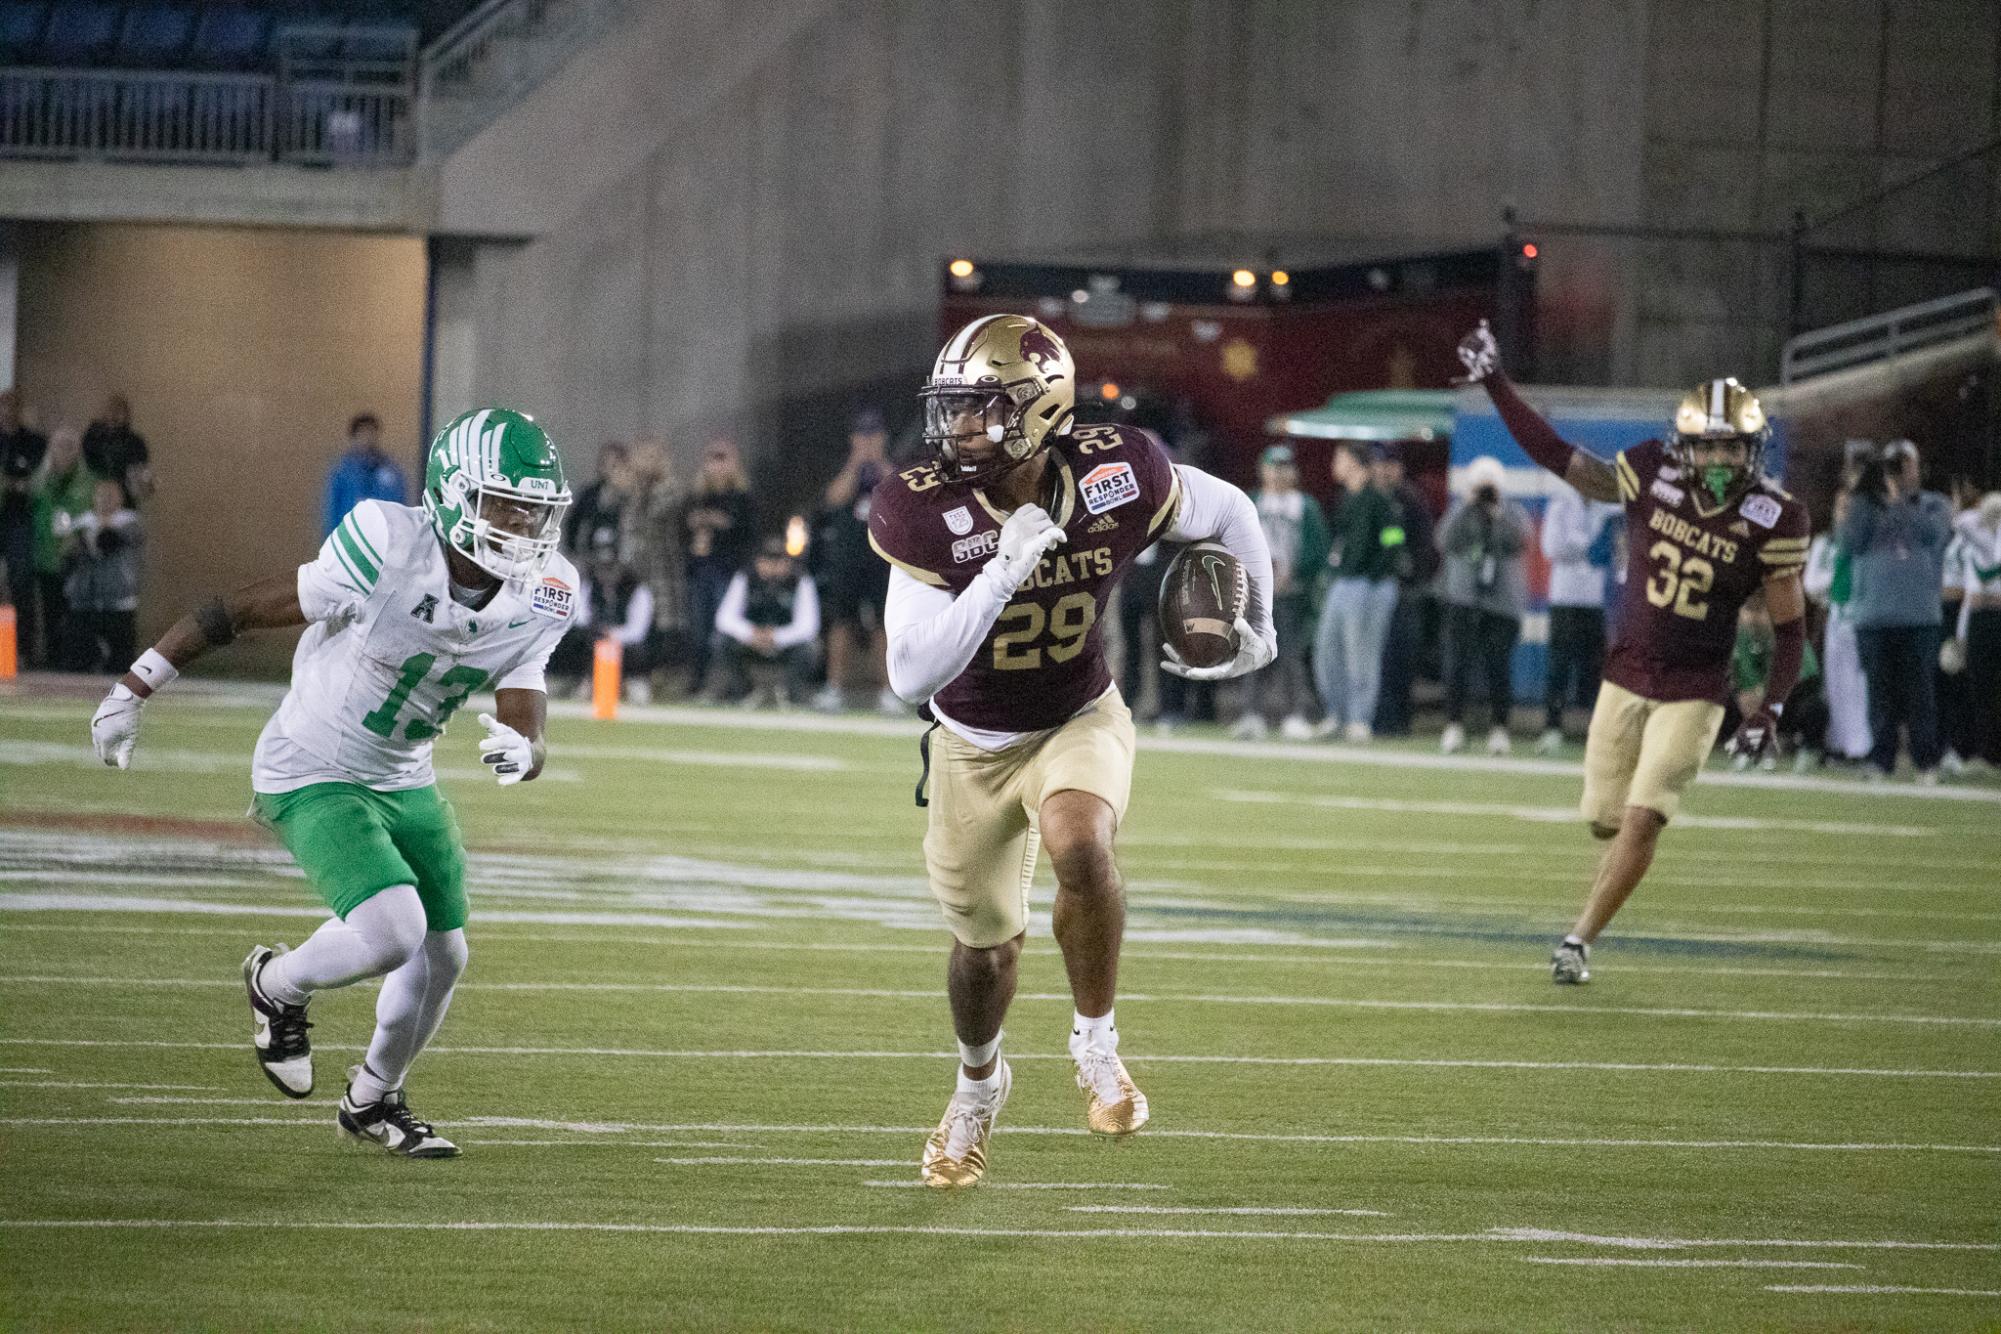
(1895, 534)
(1486, 595)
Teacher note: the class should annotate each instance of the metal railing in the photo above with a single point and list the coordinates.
(1858, 342)
(343, 96)
(136, 117)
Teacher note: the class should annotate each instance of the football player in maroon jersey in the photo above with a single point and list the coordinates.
(1004, 550)
(1705, 529)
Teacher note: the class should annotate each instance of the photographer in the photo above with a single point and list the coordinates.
(1895, 537)
(1486, 594)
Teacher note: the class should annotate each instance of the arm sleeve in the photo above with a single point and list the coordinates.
(1531, 431)
(1213, 510)
(933, 635)
(638, 617)
(729, 616)
(805, 623)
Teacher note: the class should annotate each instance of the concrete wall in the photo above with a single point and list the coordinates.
(244, 352)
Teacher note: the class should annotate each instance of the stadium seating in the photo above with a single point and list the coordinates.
(244, 35)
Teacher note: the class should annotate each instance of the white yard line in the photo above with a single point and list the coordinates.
(1613, 1261)
(785, 1162)
(795, 1054)
(1163, 998)
(24, 1070)
(1028, 1185)
(1558, 814)
(74, 1084)
(1881, 1290)
(1687, 1243)
(1245, 1210)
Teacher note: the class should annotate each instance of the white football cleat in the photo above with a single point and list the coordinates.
(389, 1125)
(955, 1156)
(278, 1031)
(1569, 965)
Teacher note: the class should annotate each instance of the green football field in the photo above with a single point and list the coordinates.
(704, 1035)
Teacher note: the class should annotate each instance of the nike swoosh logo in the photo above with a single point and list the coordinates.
(515, 624)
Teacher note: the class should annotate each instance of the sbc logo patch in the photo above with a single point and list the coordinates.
(552, 598)
(959, 520)
(1108, 486)
(972, 548)
(1761, 510)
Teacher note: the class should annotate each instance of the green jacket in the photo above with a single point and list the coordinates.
(68, 496)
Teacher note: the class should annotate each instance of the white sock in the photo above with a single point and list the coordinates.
(378, 935)
(971, 1057)
(980, 1088)
(1100, 1032)
(1573, 939)
(412, 1004)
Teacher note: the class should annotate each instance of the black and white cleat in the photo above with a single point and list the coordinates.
(278, 1031)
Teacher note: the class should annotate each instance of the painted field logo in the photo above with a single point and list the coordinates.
(959, 520)
(1108, 486)
(552, 598)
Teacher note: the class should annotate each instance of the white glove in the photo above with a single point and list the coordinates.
(511, 754)
(114, 728)
(1479, 354)
(1028, 535)
(1252, 653)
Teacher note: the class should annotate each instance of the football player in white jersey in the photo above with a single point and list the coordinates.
(408, 612)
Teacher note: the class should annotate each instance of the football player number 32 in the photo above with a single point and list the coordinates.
(459, 683)
(1680, 581)
(1016, 648)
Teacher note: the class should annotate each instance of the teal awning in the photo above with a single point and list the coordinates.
(1372, 414)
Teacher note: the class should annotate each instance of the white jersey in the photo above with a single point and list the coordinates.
(388, 656)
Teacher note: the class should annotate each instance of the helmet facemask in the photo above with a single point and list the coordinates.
(1720, 413)
(1001, 426)
(508, 531)
(1722, 482)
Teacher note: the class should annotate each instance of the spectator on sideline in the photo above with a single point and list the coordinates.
(1577, 540)
(853, 582)
(363, 473)
(770, 614)
(1976, 551)
(1829, 580)
(613, 602)
(101, 582)
(21, 454)
(1803, 720)
(1296, 531)
(63, 495)
(1896, 535)
(651, 547)
(1417, 565)
(1486, 595)
(1367, 537)
(717, 528)
(112, 449)
(598, 501)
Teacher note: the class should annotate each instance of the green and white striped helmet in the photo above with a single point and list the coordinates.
(494, 488)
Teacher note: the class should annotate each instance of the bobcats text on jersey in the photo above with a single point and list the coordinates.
(1113, 490)
(1689, 570)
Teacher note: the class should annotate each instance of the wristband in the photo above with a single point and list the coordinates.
(154, 669)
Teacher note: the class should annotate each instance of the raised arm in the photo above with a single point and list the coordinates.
(1593, 477)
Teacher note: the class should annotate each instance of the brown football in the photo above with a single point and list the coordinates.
(1203, 593)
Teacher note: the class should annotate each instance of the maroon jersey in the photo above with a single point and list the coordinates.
(1689, 569)
(1113, 490)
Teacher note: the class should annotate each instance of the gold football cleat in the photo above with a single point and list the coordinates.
(955, 1157)
(1114, 1104)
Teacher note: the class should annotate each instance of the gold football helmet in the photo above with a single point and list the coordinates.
(1720, 412)
(1013, 374)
